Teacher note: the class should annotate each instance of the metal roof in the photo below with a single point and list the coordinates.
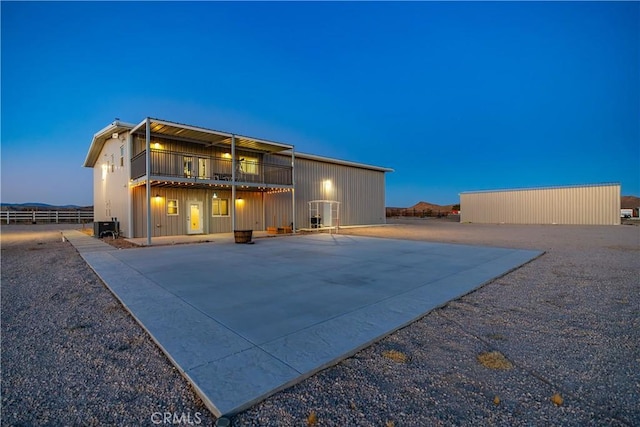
(182, 132)
(340, 162)
(603, 184)
(209, 137)
(100, 137)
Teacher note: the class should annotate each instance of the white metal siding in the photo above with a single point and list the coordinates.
(588, 204)
(111, 183)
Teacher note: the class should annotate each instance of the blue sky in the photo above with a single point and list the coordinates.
(453, 96)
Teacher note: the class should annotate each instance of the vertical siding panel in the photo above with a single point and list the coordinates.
(590, 204)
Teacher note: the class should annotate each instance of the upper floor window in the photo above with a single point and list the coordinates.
(121, 155)
(203, 168)
(248, 165)
(187, 166)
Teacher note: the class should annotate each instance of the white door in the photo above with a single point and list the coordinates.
(327, 216)
(194, 218)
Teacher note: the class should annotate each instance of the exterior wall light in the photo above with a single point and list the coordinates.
(327, 187)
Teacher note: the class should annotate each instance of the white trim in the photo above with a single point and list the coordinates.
(177, 207)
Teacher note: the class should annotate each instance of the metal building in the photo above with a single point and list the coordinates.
(161, 178)
(597, 204)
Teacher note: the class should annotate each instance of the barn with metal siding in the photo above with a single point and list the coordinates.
(161, 178)
(596, 204)
(358, 188)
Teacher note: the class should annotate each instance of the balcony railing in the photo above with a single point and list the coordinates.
(199, 167)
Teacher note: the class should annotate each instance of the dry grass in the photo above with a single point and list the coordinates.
(395, 355)
(494, 360)
(557, 399)
(312, 419)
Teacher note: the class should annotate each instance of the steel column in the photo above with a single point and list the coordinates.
(148, 165)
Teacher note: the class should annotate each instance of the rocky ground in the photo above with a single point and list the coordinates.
(555, 342)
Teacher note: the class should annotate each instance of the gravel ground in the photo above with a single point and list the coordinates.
(568, 324)
(71, 354)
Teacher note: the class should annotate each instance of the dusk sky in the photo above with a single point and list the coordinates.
(453, 96)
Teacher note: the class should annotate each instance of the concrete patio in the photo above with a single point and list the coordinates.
(244, 321)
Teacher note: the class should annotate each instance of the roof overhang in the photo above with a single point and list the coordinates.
(101, 137)
(341, 162)
(208, 137)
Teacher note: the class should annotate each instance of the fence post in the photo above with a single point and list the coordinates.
(57, 221)
(33, 217)
(78, 217)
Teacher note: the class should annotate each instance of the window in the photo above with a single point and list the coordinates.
(187, 165)
(219, 207)
(172, 207)
(113, 164)
(202, 168)
(248, 165)
(121, 155)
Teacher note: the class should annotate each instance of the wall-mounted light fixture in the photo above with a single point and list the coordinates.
(327, 186)
(215, 195)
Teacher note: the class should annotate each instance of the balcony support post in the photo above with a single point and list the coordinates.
(148, 166)
(129, 226)
(233, 183)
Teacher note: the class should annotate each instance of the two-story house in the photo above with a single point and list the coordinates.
(160, 178)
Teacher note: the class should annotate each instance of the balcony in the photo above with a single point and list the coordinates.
(207, 169)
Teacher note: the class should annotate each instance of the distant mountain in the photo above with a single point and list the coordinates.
(629, 202)
(41, 206)
(421, 209)
(425, 206)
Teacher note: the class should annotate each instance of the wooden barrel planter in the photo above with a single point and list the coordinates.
(242, 236)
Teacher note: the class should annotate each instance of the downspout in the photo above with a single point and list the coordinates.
(148, 166)
(293, 190)
(233, 183)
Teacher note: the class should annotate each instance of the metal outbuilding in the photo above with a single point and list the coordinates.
(594, 204)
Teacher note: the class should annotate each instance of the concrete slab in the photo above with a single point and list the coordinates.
(244, 321)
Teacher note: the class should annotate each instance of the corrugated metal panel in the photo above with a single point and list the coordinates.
(249, 214)
(361, 193)
(589, 204)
